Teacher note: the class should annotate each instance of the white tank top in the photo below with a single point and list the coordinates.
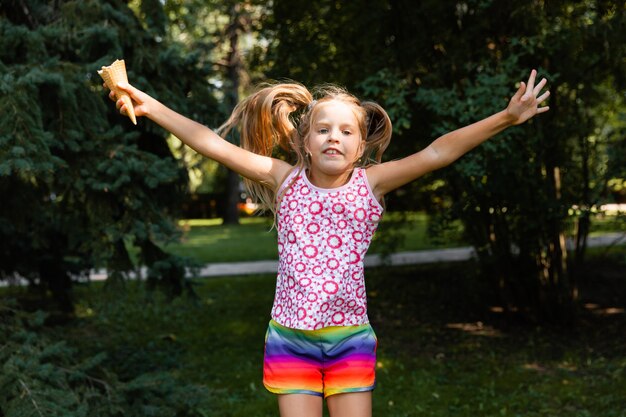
(323, 235)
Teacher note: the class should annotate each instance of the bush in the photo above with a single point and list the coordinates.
(42, 376)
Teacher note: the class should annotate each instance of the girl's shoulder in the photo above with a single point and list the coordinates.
(373, 175)
(290, 178)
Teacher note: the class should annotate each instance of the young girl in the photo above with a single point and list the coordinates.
(327, 205)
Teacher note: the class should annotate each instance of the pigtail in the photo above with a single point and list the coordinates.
(264, 121)
(378, 132)
(267, 119)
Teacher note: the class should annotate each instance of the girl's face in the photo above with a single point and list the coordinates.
(334, 143)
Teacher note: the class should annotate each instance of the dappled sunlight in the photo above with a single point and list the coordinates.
(188, 223)
(534, 366)
(83, 312)
(544, 368)
(567, 366)
(501, 310)
(598, 310)
(386, 364)
(201, 240)
(478, 329)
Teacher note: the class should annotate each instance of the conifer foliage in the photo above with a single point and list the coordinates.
(79, 184)
(41, 376)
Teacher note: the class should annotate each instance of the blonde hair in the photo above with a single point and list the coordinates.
(281, 114)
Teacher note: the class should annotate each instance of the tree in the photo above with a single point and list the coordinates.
(227, 29)
(80, 185)
(457, 61)
(42, 375)
(326, 41)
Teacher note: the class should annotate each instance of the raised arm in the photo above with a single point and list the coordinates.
(262, 169)
(448, 148)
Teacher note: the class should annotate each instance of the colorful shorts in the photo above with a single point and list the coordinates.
(332, 360)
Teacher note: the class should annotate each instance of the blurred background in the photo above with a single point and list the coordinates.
(533, 324)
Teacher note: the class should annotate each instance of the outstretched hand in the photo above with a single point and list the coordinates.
(525, 103)
(139, 98)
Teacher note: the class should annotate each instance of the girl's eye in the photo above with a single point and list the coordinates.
(323, 131)
(347, 132)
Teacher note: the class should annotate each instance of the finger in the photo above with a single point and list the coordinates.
(543, 97)
(543, 109)
(531, 80)
(520, 91)
(124, 86)
(539, 86)
(132, 91)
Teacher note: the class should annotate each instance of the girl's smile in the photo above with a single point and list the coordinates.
(332, 151)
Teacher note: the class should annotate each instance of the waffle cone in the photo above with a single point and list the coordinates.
(113, 74)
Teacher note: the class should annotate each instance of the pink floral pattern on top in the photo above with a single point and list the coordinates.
(323, 235)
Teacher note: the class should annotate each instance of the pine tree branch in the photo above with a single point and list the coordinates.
(32, 399)
(27, 15)
(92, 379)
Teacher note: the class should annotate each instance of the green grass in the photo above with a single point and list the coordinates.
(206, 242)
(441, 352)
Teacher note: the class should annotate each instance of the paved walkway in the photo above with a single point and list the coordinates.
(402, 258)
(396, 259)
(221, 269)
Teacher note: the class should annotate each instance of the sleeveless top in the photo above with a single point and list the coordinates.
(323, 235)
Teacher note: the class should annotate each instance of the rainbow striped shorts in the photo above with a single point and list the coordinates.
(332, 360)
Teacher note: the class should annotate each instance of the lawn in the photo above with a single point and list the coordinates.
(442, 351)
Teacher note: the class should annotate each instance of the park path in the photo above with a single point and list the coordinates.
(220, 269)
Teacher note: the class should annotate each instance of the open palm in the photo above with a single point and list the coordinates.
(525, 103)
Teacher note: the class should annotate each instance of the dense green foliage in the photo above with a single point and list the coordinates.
(79, 182)
(515, 193)
(42, 375)
(439, 65)
(92, 185)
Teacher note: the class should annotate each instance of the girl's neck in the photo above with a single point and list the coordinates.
(322, 180)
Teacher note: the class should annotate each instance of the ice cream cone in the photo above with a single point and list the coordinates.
(113, 74)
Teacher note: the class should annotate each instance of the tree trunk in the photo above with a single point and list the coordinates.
(584, 220)
(231, 210)
(556, 288)
(53, 273)
(234, 68)
(165, 271)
